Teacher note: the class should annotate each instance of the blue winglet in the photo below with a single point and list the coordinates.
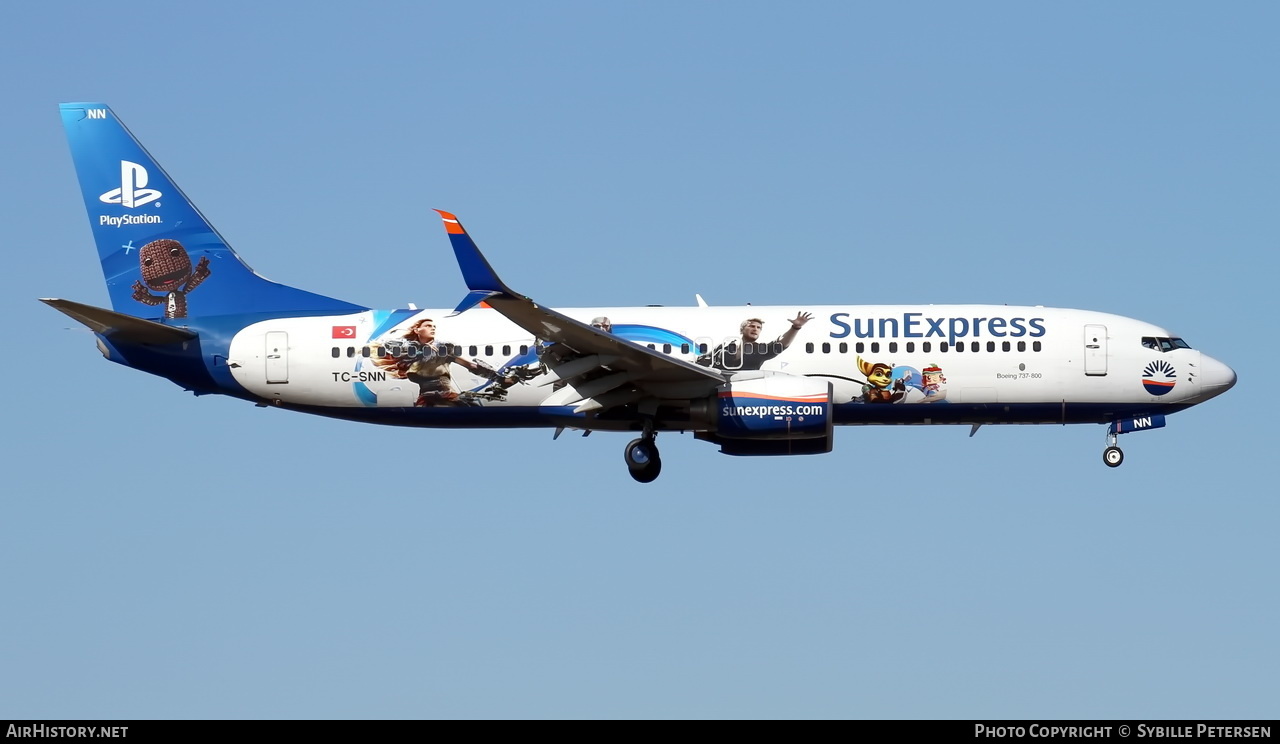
(476, 271)
(480, 277)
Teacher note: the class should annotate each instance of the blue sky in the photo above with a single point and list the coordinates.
(1118, 157)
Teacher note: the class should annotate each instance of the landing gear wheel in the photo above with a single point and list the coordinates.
(1112, 456)
(643, 461)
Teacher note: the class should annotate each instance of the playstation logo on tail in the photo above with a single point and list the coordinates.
(132, 192)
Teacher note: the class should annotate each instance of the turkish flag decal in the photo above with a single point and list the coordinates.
(344, 331)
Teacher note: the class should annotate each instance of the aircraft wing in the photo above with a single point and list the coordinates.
(631, 363)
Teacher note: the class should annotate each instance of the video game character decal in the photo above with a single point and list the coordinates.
(881, 387)
(419, 358)
(166, 268)
(889, 383)
(748, 352)
(935, 384)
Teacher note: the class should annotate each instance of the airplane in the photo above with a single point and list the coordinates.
(185, 307)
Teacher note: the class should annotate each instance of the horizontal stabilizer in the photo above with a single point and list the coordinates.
(120, 327)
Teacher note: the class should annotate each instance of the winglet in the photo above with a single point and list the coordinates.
(476, 271)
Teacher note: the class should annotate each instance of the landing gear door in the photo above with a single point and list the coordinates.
(1095, 350)
(277, 357)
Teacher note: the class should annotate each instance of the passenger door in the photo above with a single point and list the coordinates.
(277, 357)
(1095, 350)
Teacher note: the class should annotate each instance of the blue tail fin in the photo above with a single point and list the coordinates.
(160, 256)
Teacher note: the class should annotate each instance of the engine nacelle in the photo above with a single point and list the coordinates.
(773, 405)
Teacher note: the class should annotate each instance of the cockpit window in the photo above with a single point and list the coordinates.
(1162, 344)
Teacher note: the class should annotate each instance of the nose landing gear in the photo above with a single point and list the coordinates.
(1112, 455)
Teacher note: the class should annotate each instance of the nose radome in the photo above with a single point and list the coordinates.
(1216, 378)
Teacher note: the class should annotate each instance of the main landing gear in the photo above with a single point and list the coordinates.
(643, 461)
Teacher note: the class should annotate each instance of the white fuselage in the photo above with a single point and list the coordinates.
(1023, 361)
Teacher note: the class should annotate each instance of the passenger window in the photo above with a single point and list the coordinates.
(1035, 346)
(926, 346)
(911, 347)
(991, 346)
(893, 347)
(351, 351)
(684, 348)
(1005, 346)
(844, 348)
(826, 348)
(808, 348)
(336, 352)
(861, 347)
(942, 346)
(475, 351)
(875, 347)
(506, 350)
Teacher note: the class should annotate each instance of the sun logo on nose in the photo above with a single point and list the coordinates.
(1159, 377)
